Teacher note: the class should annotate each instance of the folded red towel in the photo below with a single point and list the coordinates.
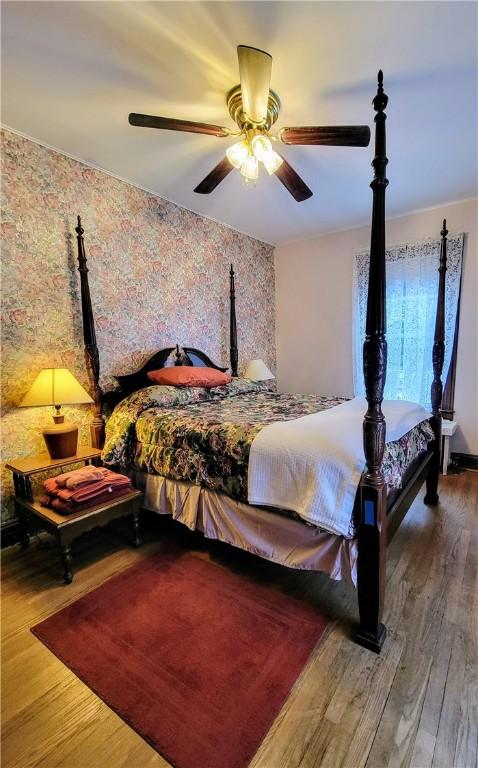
(110, 479)
(94, 489)
(82, 476)
(67, 508)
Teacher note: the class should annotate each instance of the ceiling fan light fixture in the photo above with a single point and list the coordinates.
(261, 146)
(272, 162)
(254, 107)
(238, 154)
(250, 168)
(262, 149)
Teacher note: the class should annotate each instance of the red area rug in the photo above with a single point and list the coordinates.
(198, 660)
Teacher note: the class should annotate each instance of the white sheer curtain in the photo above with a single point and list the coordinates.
(412, 287)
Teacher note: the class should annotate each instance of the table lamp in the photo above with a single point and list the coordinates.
(57, 386)
(257, 370)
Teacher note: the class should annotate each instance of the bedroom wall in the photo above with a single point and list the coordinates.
(158, 276)
(314, 310)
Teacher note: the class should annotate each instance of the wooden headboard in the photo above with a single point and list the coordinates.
(131, 382)
(164, 357)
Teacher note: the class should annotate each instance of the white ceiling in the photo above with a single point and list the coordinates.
(72, 71)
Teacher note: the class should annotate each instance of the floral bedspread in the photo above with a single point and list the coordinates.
(204, 436)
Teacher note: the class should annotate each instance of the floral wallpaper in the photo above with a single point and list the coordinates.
(158, 276)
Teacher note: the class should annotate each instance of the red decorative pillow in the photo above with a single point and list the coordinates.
(190, 376)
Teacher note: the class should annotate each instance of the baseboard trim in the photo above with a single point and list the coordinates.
(465, 460)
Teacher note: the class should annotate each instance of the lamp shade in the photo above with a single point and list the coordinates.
(257, 370)
(55, 386)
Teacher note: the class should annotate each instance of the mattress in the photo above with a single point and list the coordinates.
(204, 436)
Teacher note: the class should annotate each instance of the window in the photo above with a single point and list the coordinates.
(412, 288)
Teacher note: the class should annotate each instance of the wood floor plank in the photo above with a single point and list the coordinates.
(467, 733)
(424, 746)
(394, 742)
(29, 676)
(49, 722)
(415, 705)
(446, 741)
(116, 748)
(465, 617)
(350, 744)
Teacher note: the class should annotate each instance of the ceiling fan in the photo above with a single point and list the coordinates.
(255, 108)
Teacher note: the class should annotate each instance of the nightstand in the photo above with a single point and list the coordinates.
(65, 528)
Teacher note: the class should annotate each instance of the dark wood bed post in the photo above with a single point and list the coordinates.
(92, 357)
(232, 324)
(372, 534)
(438, 356)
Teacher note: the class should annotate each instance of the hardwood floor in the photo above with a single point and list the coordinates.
(415, 705)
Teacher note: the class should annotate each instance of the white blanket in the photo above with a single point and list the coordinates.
(312, 465)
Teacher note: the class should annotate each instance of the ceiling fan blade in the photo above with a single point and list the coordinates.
(170, 124)
(292, 182)
(332, 135)
(255, 74)
(218, 174)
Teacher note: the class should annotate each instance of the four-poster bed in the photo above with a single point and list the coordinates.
(377, 512)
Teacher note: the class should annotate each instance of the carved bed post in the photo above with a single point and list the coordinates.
(92, 358)
(373, 492)
(438, 357)
(232, 324)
